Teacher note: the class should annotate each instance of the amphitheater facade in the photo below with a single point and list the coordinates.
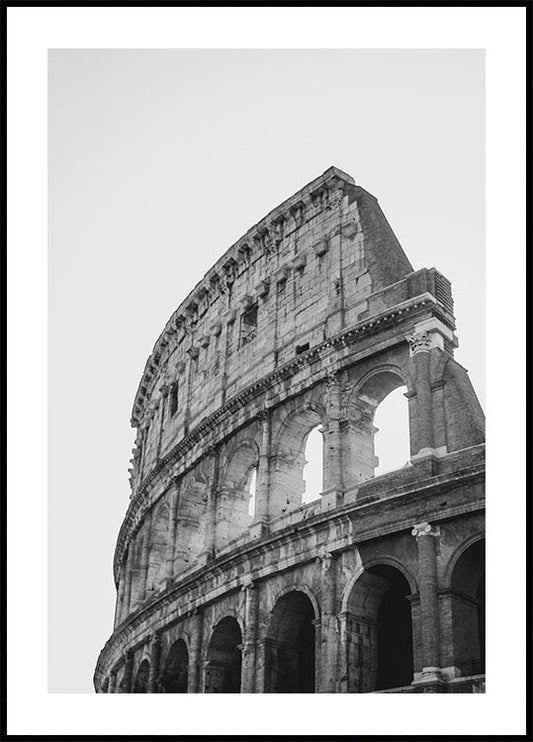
(307, 323)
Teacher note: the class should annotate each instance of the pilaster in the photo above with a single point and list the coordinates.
(195, 650)
(155, 663)
(426, 540)
(250, 636)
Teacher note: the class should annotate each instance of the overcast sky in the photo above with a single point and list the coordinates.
(159, 161)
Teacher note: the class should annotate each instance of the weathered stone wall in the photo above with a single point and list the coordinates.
(312, 318)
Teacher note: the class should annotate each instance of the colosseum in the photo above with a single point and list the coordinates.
(229, 579)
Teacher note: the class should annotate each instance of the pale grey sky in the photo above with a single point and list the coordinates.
(159, 161)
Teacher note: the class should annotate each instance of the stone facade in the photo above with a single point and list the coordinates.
(311, 319)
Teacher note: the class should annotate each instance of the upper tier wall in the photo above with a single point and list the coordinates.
(319, 263)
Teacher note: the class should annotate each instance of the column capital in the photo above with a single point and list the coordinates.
(156, 637)
(250, 585)
(425, 529)
(325, 557)
(173, 481)
(333, 377)
(263, 414)
(419, 342)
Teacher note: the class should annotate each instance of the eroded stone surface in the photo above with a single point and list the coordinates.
(311, 319)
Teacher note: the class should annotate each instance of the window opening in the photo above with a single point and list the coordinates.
(252, 489)
(174, 399)
(249, 325)
(313, 468)
(391, 441)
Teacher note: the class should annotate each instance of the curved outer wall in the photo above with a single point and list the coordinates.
(311, 318)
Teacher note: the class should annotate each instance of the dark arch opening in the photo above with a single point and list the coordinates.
(175, 673)
(223, 668)
(290, 646)
(379, 638)
(141, 678)
(395, 636)
(468, 610)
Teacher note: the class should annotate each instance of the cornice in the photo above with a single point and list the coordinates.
(236, 255)
(321, 521)
(203, 430)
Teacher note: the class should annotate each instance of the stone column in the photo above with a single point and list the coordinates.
(208, 551)
(195, 651)
(164, 394)
(143, 432)
(112, 683)
(119, 609)
(333, 480)
(317, 623)
(420, 343)
(426, 536)
(328, 624)
(172, 527)
(155, 662)
(335, 311)
(143, 569)
(126, 686)
(250, 636)
(193, 352)
(260, 524)
(128, 578)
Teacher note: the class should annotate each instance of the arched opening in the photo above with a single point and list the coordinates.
(223, 666)
(379, 641)
(468, 610)
(313, 467)
(158, 549)
(377, 432)
(252, 484)
(293, 481)
(141, 678)
(290, 646)
(236, 500)
(391, 442)
(176, 669)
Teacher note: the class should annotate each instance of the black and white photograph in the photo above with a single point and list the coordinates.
(266, 347)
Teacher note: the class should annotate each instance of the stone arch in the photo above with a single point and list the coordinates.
(140, 683)
(456, 555)
(219, 616)
(297, 587)
(175, 668)
(190, 520)
(158, 547)
(467, 603)
(234, 493)
(378, 628)
(290, 644)
(289, 456)
(360, 461)
(222, 671)
(391, 561)
(137, 567)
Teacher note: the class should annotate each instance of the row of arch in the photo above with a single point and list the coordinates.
(377, 636)
(302, 459)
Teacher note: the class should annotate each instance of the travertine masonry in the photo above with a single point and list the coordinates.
(311, 319)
